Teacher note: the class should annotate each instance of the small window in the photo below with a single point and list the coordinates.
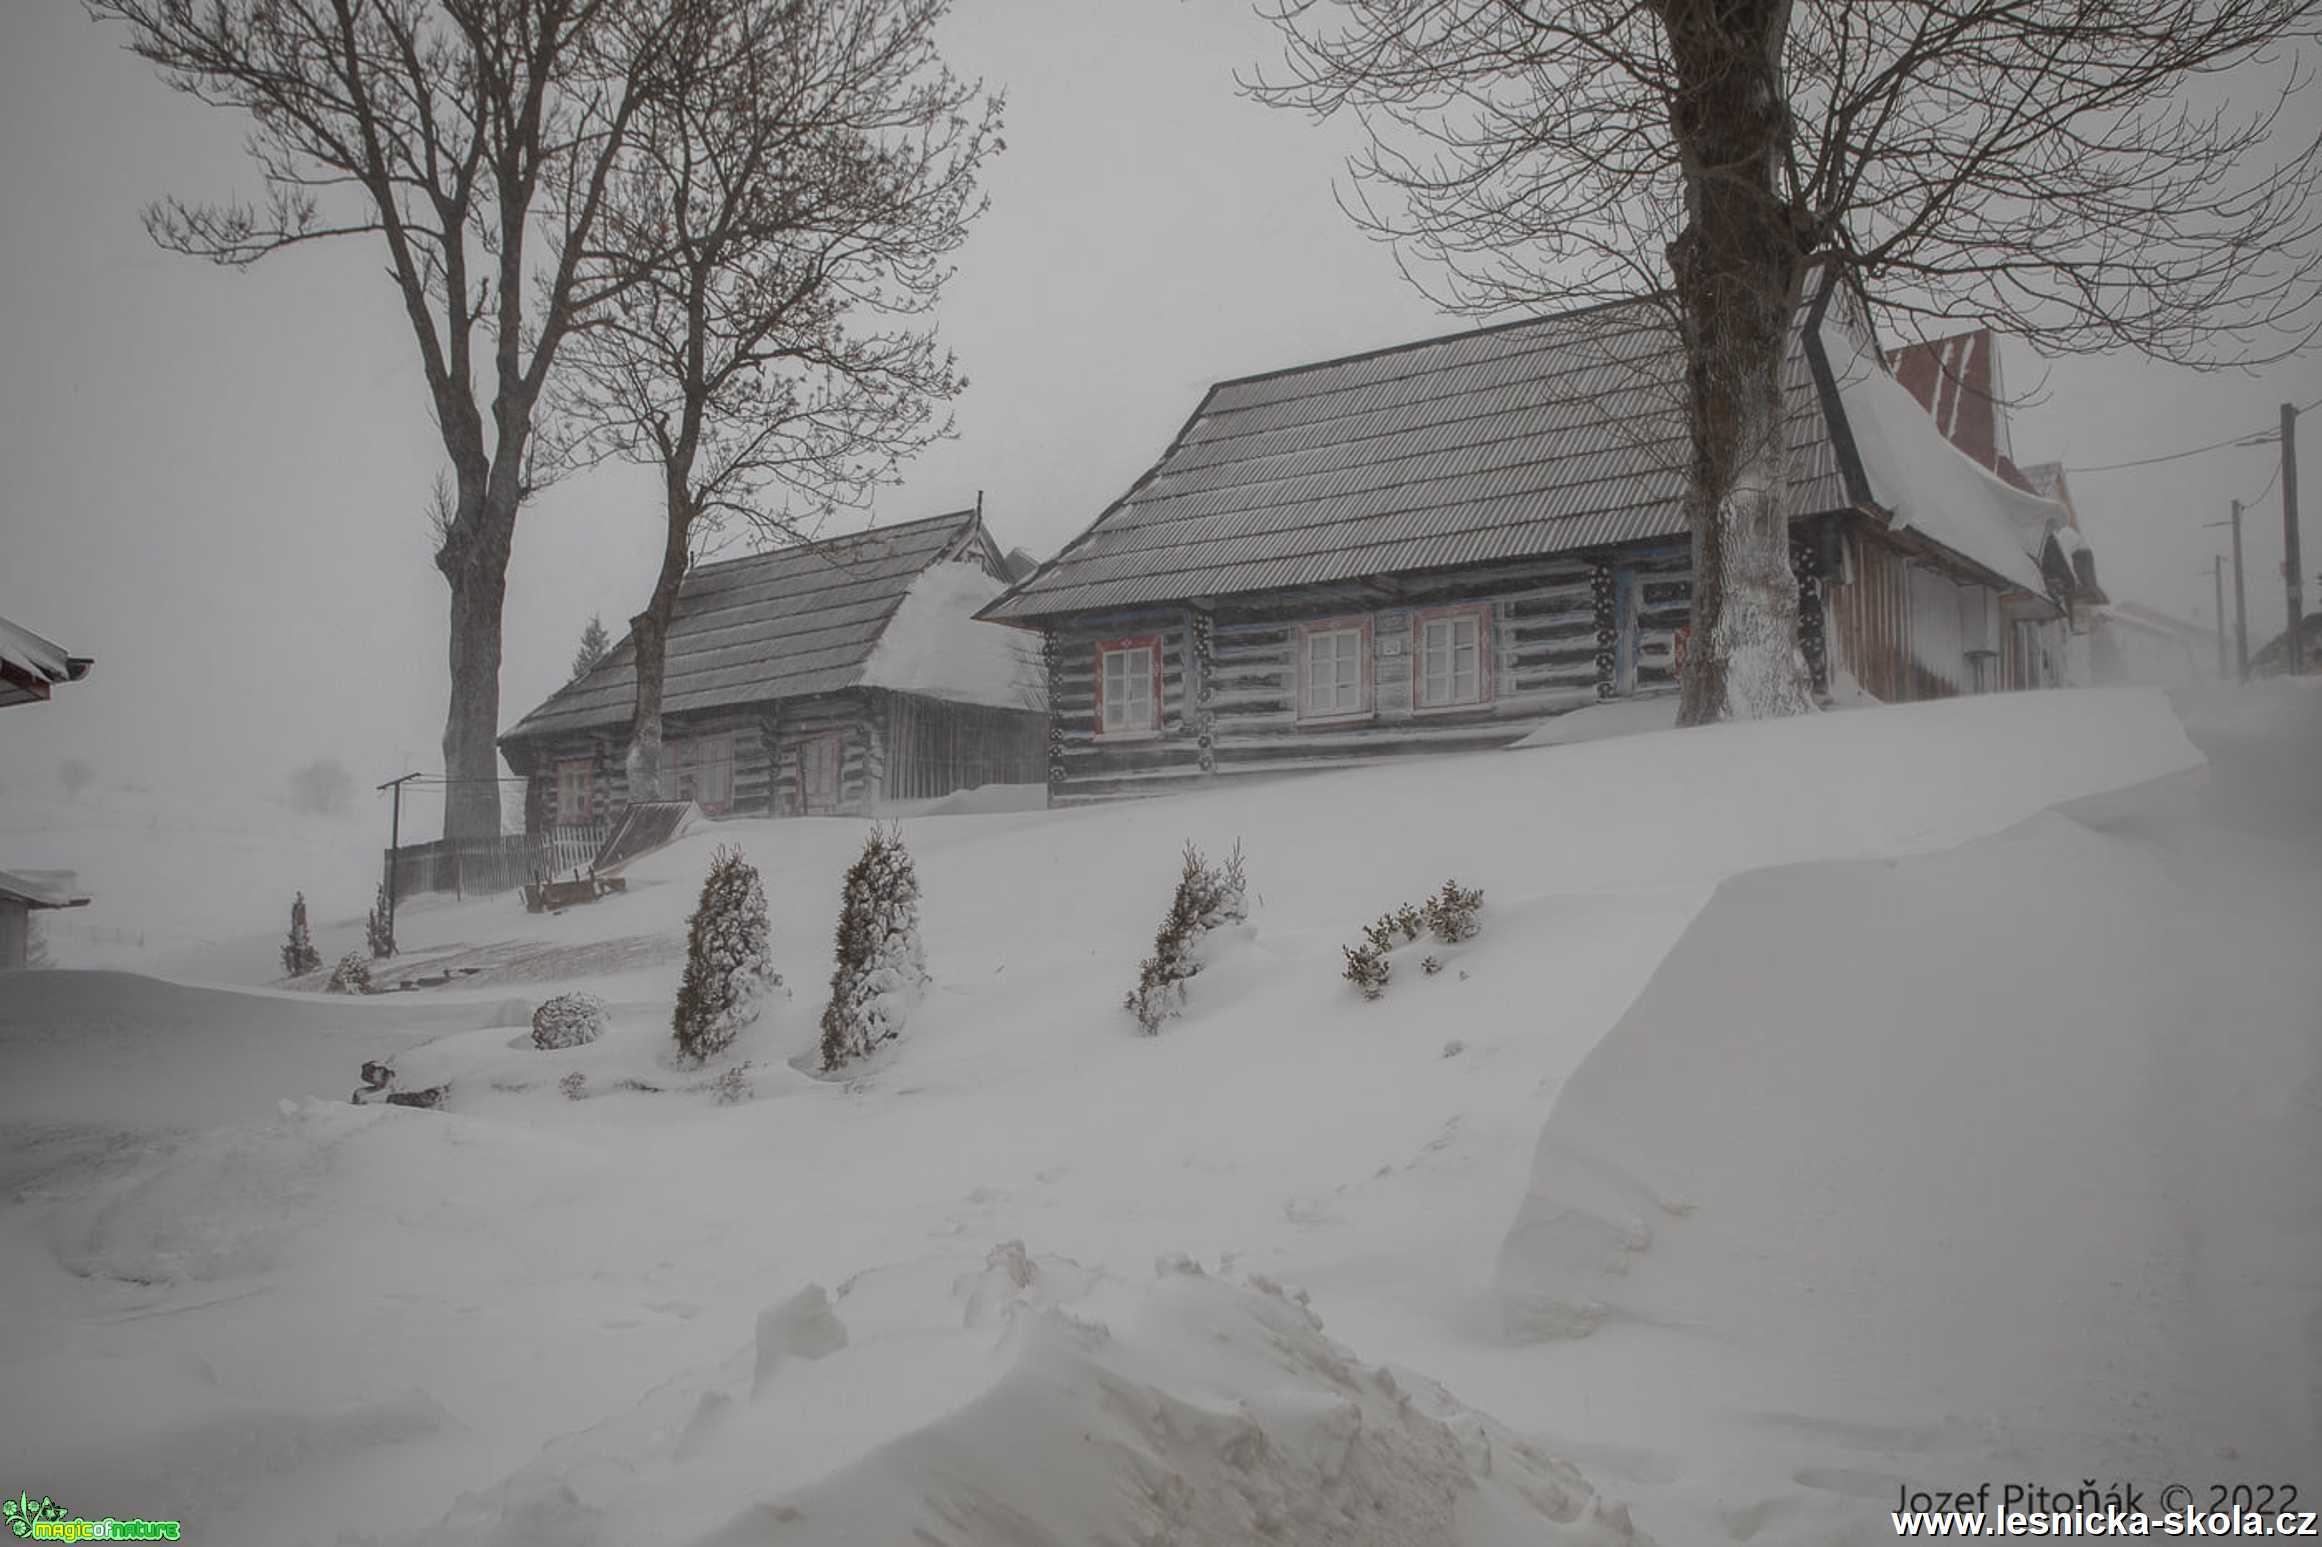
(1129, 687)
(1334, 669)
(1451, 665)
(575, 790)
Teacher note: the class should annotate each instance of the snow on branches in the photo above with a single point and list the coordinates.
(1208, 896)
(729, 965)
(882, 964)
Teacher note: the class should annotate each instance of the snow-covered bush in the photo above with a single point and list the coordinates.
(729, 963)
(568, 1020)
(1208, 896)
(1367, 968)
(379, 929)
(575, 1086)
(1450, 916)
(351, 976)
(299, 957)
(1451, 913)
(882, 965)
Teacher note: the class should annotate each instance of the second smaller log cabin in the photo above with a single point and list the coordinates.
(838, 678)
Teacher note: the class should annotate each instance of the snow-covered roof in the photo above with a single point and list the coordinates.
(29, 665)
(789, 623)
(1546, 435)
(42, 888)
(934, 646)
(1925, 482)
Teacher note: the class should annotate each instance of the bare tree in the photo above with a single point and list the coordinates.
(778, 224)
(2069, 170)
(473, 140)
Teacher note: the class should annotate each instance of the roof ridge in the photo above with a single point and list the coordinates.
(1454, 336)
(956, 517)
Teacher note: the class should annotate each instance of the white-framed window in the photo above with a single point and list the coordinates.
(575, 786)
(1334, 669)
(1129, 686)
(1450, 663)
(703, 767)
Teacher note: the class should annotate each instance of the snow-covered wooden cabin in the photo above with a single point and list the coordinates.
(846, 676)
(1440, 545)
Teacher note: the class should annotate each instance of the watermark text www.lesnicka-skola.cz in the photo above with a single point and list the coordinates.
(2123, 1509)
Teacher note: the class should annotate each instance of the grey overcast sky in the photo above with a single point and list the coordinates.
(214, 481)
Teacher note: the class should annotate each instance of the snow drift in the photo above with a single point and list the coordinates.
(2015, 1133)
(1195, 1410)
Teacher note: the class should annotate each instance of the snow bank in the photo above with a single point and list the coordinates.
(934, 645)
(1192, 1410)
(2015, 1134)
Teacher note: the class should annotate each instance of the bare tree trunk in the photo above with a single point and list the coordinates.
(1737, 266)
(649, 631)
(474, 561)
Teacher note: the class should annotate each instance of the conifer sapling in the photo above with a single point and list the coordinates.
(1207, 897)
(729, 965)
(299, 957)
(379, 928)
(881, 962)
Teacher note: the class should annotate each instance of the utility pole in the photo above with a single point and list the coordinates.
(2217, 578)
(2240, 602)
(394, 842)
(2293, 566)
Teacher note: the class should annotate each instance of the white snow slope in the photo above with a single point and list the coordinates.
(529, 1318)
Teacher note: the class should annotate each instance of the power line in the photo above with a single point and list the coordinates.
(2258, 438)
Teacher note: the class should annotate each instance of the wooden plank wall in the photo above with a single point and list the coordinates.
(862, 770)
(934, 747)
(1231, 701)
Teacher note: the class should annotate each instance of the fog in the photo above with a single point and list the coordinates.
(215, 481)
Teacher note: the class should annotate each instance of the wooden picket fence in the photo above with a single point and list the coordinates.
(488, 865)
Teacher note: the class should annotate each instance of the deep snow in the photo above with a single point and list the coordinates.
(537, 1317)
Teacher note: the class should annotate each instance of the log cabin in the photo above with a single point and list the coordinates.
(841, 677)
(1440, 545)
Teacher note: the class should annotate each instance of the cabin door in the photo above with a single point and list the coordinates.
(820, 760)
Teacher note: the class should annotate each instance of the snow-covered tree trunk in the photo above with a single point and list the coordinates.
(1737, 266)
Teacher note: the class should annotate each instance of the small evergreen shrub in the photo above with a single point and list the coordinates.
(299, 957)
(568, 1020)
(1451, 913)
(1208, 896)
(1367, 968)
(379, 928)
(351, 976)
(882, 964)
(575, 1086)
(729, 965)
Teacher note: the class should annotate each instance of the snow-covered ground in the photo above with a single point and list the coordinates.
(957, 1294)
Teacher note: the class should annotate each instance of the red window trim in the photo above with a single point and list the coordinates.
(1369, 689)
(1486, 677)
(1150, 642)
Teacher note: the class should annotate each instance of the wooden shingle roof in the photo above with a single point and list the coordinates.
(787, 623)
(1530, 438)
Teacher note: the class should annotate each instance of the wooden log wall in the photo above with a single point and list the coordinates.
(1560, 634)
(862, 768)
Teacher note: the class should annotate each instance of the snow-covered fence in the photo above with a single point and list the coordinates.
(487, 865)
